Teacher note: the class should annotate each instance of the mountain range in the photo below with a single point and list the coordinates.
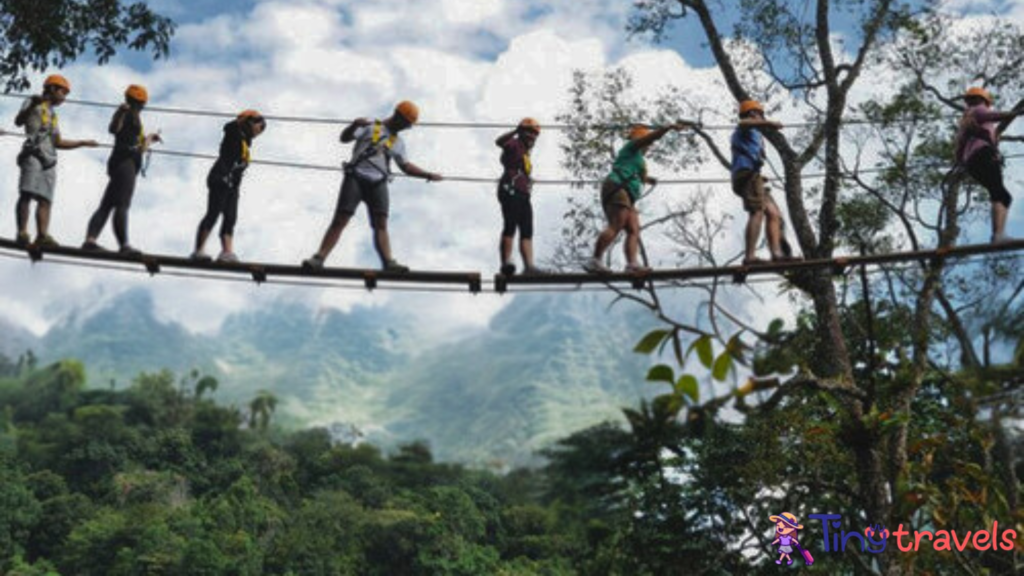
(546, 366)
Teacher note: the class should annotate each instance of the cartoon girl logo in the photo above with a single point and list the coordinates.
(786, 528)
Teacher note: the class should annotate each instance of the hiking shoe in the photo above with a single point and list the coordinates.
(46, 241)
(314, 262)
(200, 256)
(595, 266)
(636, 269)
(227, 258)
(93, 247)
(508, 269)
(786, 258)
(1002, 239)
(128, 250)
(393, 266)
(23, 239)
(534, 271)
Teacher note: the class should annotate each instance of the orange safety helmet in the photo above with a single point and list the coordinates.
(408, 110)
(137, 93)
(57, 80)
(978, 92)
(749, 106)
(252, 115)
(638, 131)
(529, 124)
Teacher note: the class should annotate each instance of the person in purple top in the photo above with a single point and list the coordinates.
(514, 195)
(977, 152)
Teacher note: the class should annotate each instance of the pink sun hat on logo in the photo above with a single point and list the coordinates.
(787, 519)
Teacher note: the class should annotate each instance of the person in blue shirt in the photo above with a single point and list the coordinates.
(748, 153)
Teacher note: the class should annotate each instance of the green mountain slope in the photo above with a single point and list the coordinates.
(545, 367)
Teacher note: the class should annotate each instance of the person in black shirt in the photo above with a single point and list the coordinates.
(123, 166)
(224, 181)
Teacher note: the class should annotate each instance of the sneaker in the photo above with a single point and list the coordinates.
(46, 241)
(1002, 239)
(595, 266)
(393, 266)
(200, 256)
(636, 269)
(534, 271)
(508, 269)
(23, 239)
(128, 250)
(786, 258)
(227, 258)
(755, 261)
(314, 262)
(92, 247)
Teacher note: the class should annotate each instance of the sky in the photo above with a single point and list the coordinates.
(460, 60)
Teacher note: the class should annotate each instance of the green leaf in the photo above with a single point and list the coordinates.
(661, 373)
(723, 364)
(688, 386)
(704, 352)
(775, 327)
(668, 403)
(651, 341)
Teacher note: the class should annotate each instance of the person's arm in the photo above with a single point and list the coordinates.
(417, 172)
(656, 135)
(504, 138)
(117, 121)
(63, 144)
(22, 116)
(986, 116)
(349, 133)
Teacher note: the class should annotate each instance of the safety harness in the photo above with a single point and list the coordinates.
(377, 144)
(32, 145)
(508, 186)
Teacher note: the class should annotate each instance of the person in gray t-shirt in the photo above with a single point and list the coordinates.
(38, 158)
(366, 180)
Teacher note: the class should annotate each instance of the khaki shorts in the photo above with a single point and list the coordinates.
(749, 185)
(613, 197)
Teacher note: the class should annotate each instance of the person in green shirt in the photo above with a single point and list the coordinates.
(619, 194)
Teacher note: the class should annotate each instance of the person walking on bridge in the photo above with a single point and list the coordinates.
(38, 158)
(977, 152)
(366, 180)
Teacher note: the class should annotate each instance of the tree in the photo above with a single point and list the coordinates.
(865, 355)
(37, 35)
(261, 408)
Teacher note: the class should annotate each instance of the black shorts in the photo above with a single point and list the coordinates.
(355, 190)
(516, 213)
(986, 167)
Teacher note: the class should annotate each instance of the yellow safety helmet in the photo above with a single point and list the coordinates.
(408, 110)
(137, 93)
(529, 124)
(978, 92)
(57, 80)
(638, 131)
(749, 106)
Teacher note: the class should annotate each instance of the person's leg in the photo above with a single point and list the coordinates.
(348, 198)
(102, 213)
(987, 169)
(21, 213)
(525, 222)
(632, 244)
(43, 208)
(214, 206)
(773, 228)
(125, 189)
(227, 226)
(381, 239)
(508, 234)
